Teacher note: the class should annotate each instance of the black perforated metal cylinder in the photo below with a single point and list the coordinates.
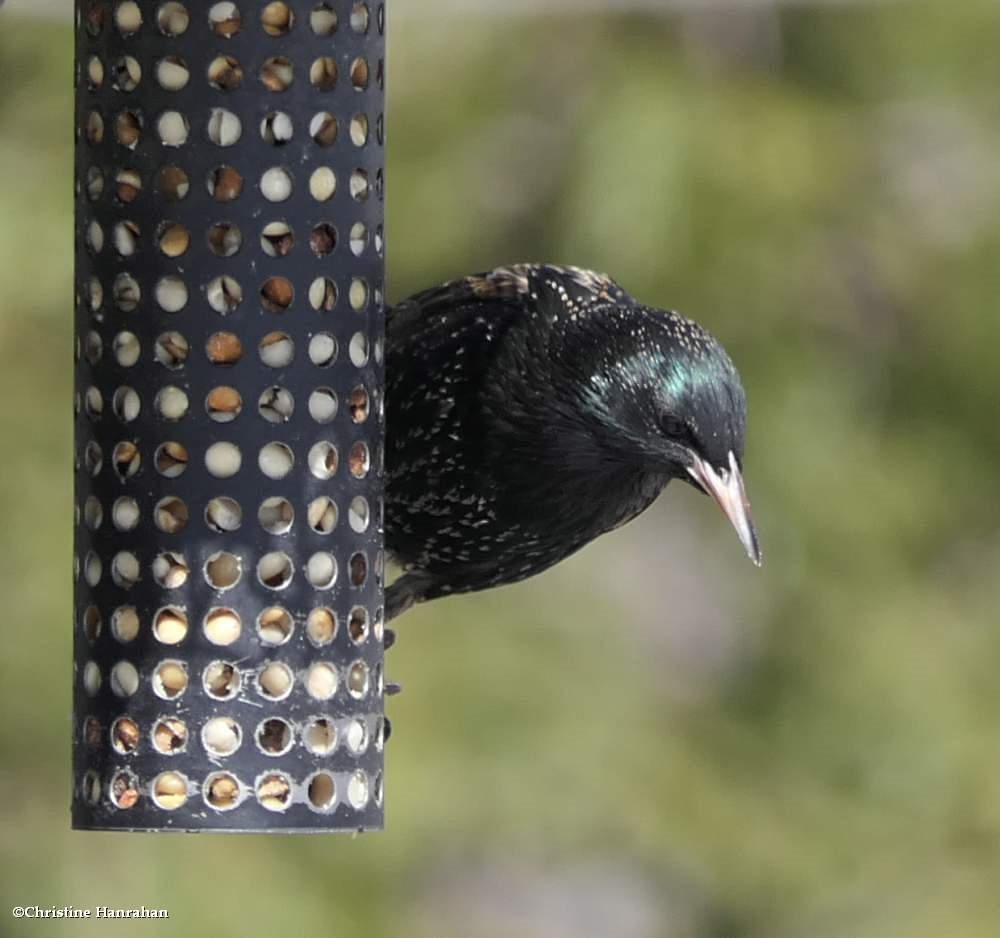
(229, 423)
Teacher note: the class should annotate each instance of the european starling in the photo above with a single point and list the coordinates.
(533, 408)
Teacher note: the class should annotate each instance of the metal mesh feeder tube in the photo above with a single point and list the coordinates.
(229, 330)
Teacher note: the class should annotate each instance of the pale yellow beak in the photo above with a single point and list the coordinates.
(726, 487)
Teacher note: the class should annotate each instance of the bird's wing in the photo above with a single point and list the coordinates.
(441, 348)
(431, 328)
(504, 289)
(443, 342)
(465, 361)
(497, 293)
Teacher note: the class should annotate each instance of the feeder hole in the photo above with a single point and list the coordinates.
(92, 569)
(275, 626)
(323, 349)
(357, 680)
(223, 404)
(170, 625)
(275, 570)
(91, 678)
(356, 737)
(126, 404)
(128, 19)
(275, 460)
(225, 184)
(322, 128)
(222, 626)
(358, 514)
(170, 514)
(173, 128)
(277, 128)
(125, 569)
(323, 20)
(359, 17)
(223, 570)
(223, 460)
(91, 623)
(276, 239)
(124, 790)
(321, 570)
(323, 184)
(359, 569)
(170, 570)
(124, 679)
(221, 680)
(276, 515)
(357, 790)
(277, 74)
(321, 680)
(322, 514)
(170, 790)
(320, 736)
(125, 624)
(223, 515)
(124, 735)
(276, 405)
(172, 19)
(321, 626)
(359, 460)
(92, 731)
(225, 19)
(277, 19)
(172, 73)
(323, 294)
(126, 349)
(276, 350)
(221, 736)
(170, 679)
(171, 294)
(274, 791)
(173, 239)
(225, 73)
(323, 460)
(171, 350)
(171, 459)
(322, 791)
(323, 73)
(274, 736)
(173, 184)
(224, 348)
(224, 295)
(224, 127)
(358, 624)
(275, 680)
(169, 736)
(222, 791)
(277, 294)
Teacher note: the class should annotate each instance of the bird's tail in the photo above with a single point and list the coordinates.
(410, 589)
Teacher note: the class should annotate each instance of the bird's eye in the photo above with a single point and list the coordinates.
(675, 428)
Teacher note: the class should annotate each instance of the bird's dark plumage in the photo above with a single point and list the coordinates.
(531, 409)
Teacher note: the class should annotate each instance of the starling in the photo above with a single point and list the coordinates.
(533, 408)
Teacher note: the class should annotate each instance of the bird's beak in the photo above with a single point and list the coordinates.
(726, 487)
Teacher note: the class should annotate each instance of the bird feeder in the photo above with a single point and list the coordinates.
(228, 633)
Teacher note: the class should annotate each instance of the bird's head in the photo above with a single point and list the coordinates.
(669, 397)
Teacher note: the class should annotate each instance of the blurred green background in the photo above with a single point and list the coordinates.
(654, 739)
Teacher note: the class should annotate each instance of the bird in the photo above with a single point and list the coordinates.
(534, 407)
